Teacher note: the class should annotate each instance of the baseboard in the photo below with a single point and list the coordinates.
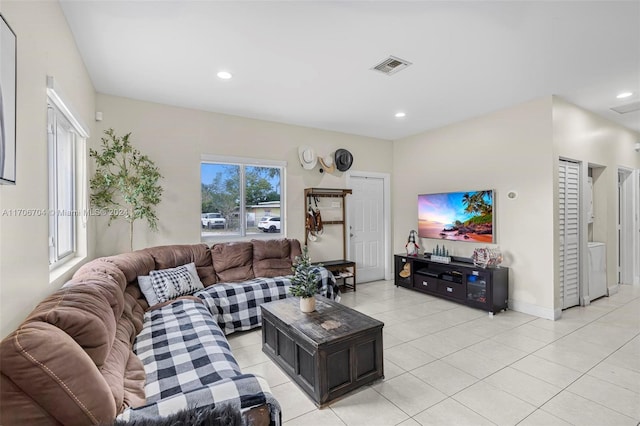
(535, 310)
(613, 289)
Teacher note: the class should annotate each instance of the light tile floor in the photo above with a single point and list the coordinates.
(446, 364)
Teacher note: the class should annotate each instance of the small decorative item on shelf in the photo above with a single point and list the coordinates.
(487, 257)
(406, 271)
(304, 283)
(440, 254)
(411, 246)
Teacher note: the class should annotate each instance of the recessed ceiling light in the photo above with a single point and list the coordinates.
(224, 75)
(624, 95)
(400, 114)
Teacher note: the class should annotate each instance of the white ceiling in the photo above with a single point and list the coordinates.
(308, 62)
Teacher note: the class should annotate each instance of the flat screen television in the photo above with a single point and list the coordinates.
(457, 216)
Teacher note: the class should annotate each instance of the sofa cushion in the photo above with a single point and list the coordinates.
(271, 258)
(100, 267)
(86, 310)
(233, 262)
(123, 371)
(132, 264)
(134, 313)
(134, 291)
(123, 367)
(176, 255)
(168, 284)
(296, 249)
(134, 380)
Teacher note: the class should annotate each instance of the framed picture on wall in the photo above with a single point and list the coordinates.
(7, 103)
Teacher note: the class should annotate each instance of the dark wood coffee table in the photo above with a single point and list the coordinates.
(329, 352)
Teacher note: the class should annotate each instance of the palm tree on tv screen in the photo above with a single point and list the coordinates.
(478, 203)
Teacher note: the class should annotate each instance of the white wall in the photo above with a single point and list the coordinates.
(175, 138)
(45, 47)
(505, 150)
(586, 137)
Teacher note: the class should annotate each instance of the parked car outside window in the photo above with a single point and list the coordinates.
(269, 224)
(213, 220)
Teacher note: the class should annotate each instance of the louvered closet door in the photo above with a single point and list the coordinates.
(569, 206)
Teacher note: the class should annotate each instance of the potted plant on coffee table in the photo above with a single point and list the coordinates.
(304, 283)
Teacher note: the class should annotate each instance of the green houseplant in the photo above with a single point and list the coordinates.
(304, 283)
(125, 184)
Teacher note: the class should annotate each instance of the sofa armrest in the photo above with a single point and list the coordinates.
(242, 392)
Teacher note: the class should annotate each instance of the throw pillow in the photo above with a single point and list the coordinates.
(166, 284)
(144, 281)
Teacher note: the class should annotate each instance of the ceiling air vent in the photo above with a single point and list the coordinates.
(391, 65)
(623, 109)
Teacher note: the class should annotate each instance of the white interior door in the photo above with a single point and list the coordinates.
(367, 234)
(569, 228)
(626, 231)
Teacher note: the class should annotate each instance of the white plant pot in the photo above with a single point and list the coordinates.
(307, 304)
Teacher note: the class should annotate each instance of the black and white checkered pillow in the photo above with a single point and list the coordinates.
(171, 283)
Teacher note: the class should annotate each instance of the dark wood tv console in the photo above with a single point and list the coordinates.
(487, 289)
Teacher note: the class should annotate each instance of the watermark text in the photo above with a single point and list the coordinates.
(62, 212)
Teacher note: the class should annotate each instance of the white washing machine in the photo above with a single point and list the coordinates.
(597, 270)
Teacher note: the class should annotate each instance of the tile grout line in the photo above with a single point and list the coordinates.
(530, 353)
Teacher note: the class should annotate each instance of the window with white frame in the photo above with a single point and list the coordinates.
(67, 175)
(239, 195)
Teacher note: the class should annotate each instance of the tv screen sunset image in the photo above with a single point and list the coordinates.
(458, 216)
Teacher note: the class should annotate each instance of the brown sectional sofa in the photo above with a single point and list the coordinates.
(72, 360)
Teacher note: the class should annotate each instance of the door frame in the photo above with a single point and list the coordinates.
(636, 245)
(627, 218)
(583, 257)
(386, 179)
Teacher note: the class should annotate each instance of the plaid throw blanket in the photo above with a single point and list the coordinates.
(188, 363)
(182, 349)
(236, 306)
(241, 392)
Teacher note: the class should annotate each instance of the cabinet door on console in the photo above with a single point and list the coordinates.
(478, 288)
